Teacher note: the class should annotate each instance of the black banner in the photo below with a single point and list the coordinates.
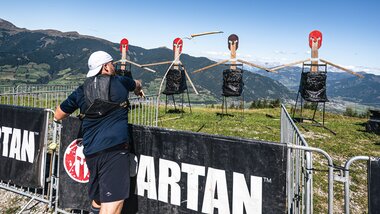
(22, 151)
(186, 172)
(374, 185)
(73, 174)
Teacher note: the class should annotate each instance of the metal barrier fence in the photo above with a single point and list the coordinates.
(299, 165)
(143, 111)
(44, 194)
(41, 96)
(347, 181)
(330, 166)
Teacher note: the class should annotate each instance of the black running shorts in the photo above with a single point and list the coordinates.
(109, 176)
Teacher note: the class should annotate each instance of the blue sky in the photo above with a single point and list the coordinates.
(269, 31)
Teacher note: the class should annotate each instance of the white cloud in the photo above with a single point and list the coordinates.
(216, 53)
(281, 52)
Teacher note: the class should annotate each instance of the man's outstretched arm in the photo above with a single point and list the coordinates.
(59, 114)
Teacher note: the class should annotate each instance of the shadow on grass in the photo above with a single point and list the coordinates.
(200, 128)
(377, 143)
(361, 124)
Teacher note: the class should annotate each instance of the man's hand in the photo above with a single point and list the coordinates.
(138, 90)
(141, 93)
(58, 122)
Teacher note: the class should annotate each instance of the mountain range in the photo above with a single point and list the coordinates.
(54, 57)
(340, 85)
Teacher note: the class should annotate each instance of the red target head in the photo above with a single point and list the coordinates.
(233, 39)
(315, 37)
(177, 43)
(124, 43)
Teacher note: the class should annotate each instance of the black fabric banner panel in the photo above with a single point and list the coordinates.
(73, 172)
(232, 82)
(374, 185)
(313, 86)
(175, 82)
(22, 151)
(185, 172)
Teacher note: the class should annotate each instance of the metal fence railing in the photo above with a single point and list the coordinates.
(299, 167)
(293, 185)
(143, 111)
(300, 170)
(347, 181)
(39, 96)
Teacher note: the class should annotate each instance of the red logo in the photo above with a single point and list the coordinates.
(75, 162)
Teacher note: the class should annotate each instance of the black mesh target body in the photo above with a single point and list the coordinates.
(232, 83)
(175, 82)
(373, 124)
(123, 72)
(313, 86)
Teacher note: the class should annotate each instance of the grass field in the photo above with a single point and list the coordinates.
(350, 140)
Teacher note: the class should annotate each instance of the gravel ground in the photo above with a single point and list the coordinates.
(12, 203)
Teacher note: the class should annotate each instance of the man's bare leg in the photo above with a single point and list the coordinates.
(95, 207)
(114, 207)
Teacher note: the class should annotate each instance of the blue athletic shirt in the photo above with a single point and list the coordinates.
(110, 130)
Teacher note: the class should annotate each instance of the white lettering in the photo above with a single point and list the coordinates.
(216, 185)
(15, 146)
(193, 173)
(146, 178)
(28, 146)
(7, 131)
(241, 196)
(246, 197)
(170, 175)
(21, 146)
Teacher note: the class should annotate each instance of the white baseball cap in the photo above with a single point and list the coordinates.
(96, 61)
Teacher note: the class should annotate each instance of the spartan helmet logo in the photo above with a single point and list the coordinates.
(315, 37)
(124, 44)
(233, 39)
(177, 43)
(75, 163)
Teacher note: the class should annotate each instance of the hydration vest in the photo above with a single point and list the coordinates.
(97, 96)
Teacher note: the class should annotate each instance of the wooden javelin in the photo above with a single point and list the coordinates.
(205, 33)
(210, 66)
(289, 64)
(135, 64)
(340, 67)
(188, 78)
(257, 66)
(156, 63)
